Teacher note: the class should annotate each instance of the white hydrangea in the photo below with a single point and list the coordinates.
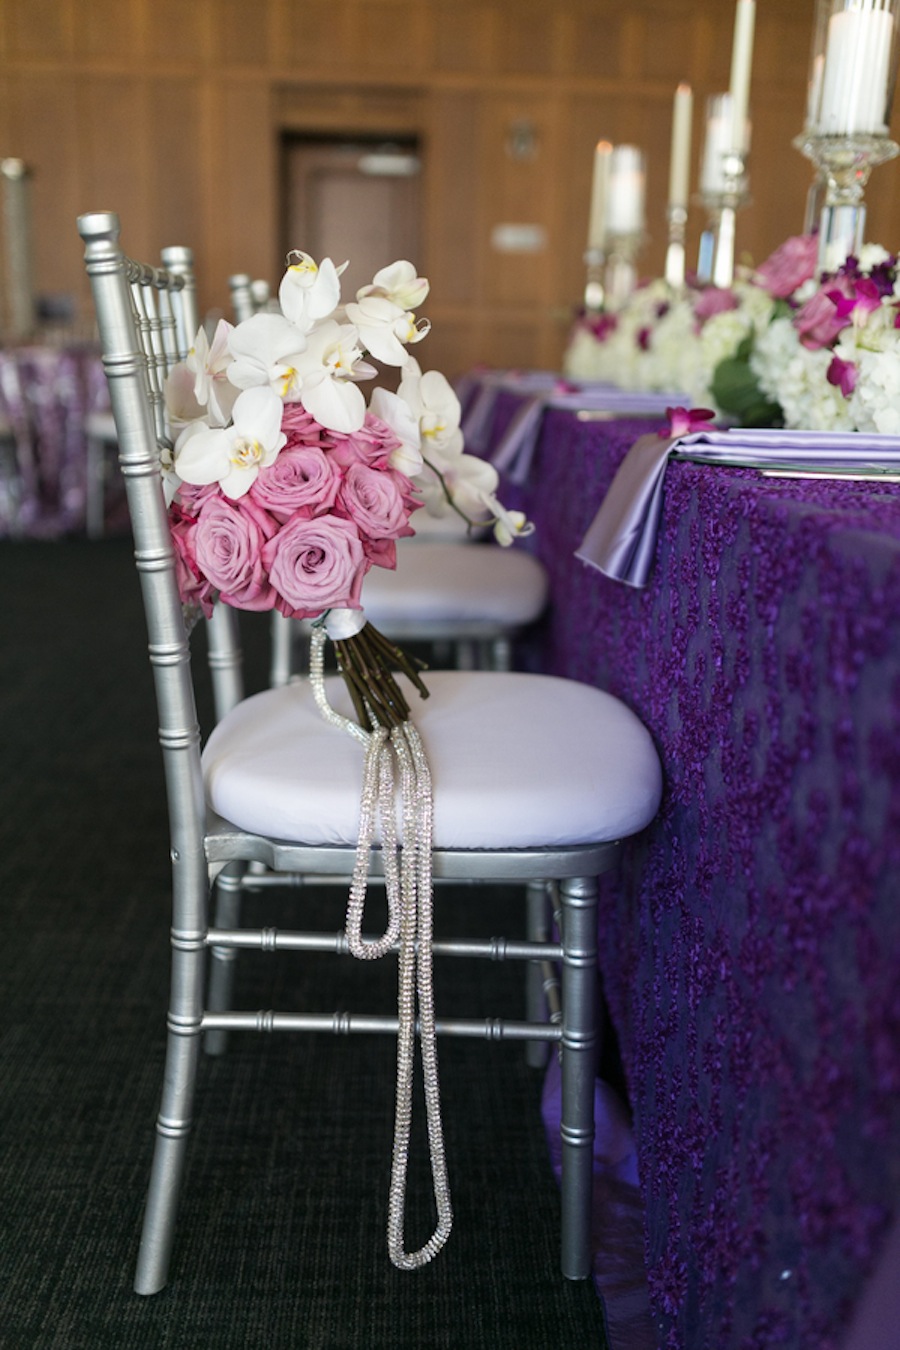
(795, 377)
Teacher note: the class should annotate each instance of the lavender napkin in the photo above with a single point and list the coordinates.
(621, 539)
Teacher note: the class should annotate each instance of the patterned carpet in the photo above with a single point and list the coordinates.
(281, 1239)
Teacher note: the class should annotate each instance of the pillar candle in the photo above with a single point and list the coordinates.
(741, 59)
(680, 159)
(599, 191)
(857, 64)
(719, 126)
(625, 202)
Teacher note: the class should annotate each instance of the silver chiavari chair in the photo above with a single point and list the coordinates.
(99, 426)
(536, 779)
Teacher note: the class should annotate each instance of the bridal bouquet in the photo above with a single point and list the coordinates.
(284, 485)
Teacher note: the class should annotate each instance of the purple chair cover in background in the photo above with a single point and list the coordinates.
(751, 952)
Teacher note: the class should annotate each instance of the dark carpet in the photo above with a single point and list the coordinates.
(281, 1237)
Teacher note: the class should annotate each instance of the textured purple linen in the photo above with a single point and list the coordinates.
(621, 539)
(751, 949)
(45, 393)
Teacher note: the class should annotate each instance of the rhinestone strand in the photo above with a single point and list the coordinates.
(410, 923)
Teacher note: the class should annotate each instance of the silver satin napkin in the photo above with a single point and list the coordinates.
(621, 539)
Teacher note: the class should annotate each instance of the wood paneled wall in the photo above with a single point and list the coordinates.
(170, 112)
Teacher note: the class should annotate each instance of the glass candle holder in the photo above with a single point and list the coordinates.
(594, 289)
(850, 92)
(723, 190)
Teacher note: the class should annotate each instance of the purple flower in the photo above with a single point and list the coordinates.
(842, 374)
(683, 421)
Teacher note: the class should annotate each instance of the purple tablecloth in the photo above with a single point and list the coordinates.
(46, 391)
(751, 951)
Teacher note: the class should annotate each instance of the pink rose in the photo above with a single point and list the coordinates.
(819, 321)
(792, 263)
(191, 497)
(316, 565)
(714, 300)
(301, 479)
(371, 445)
(301, 428)
(377, 501)
(229, 539)
(193, 587)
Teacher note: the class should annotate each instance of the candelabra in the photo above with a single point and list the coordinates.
(850, 89)
(594, 290)
(845, 163)
(676, 217)
(621, 267)
(716, 261)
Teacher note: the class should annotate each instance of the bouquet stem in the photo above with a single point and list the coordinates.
(367, 662)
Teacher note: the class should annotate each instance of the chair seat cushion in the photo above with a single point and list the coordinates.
(445, 582)
(518, 761)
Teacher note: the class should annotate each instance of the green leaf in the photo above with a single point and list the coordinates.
(735, 390)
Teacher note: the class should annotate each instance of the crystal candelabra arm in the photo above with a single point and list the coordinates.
(717, 245)
(845, 162)
(594, 291)
(621, 267)
(675, 256)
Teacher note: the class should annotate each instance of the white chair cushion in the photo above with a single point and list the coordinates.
(518, 761)
(453, 583)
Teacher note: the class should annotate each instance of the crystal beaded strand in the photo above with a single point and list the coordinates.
(410, 920)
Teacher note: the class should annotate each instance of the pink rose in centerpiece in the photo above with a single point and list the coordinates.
(315, 565)
(792, 263)
(302, 479)
(714, 300)
(819, 321)
(228, 540)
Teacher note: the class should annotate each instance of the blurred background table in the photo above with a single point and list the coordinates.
(47, 392)
(751, 953)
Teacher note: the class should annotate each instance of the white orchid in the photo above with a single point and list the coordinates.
(508, 525)
(397, 283)
(266, 350)
(327, 372)
(209, 362)
(309, 291)
(457, 482)
(396, 413)
(436, 408)
(385, 329)
(233, 456)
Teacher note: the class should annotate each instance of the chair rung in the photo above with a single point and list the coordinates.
(273, 939)
(346, 1024)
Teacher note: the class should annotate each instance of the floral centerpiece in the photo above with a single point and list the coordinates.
(784, 345)
(285, 486)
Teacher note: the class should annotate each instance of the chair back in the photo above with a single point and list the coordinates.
(143, 317)
(249, 296)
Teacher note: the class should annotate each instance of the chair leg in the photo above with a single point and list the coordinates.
(282, 637)
(536, 1052)
(500, 654)
(578, 919)
(223, 960)
(174, 1122)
